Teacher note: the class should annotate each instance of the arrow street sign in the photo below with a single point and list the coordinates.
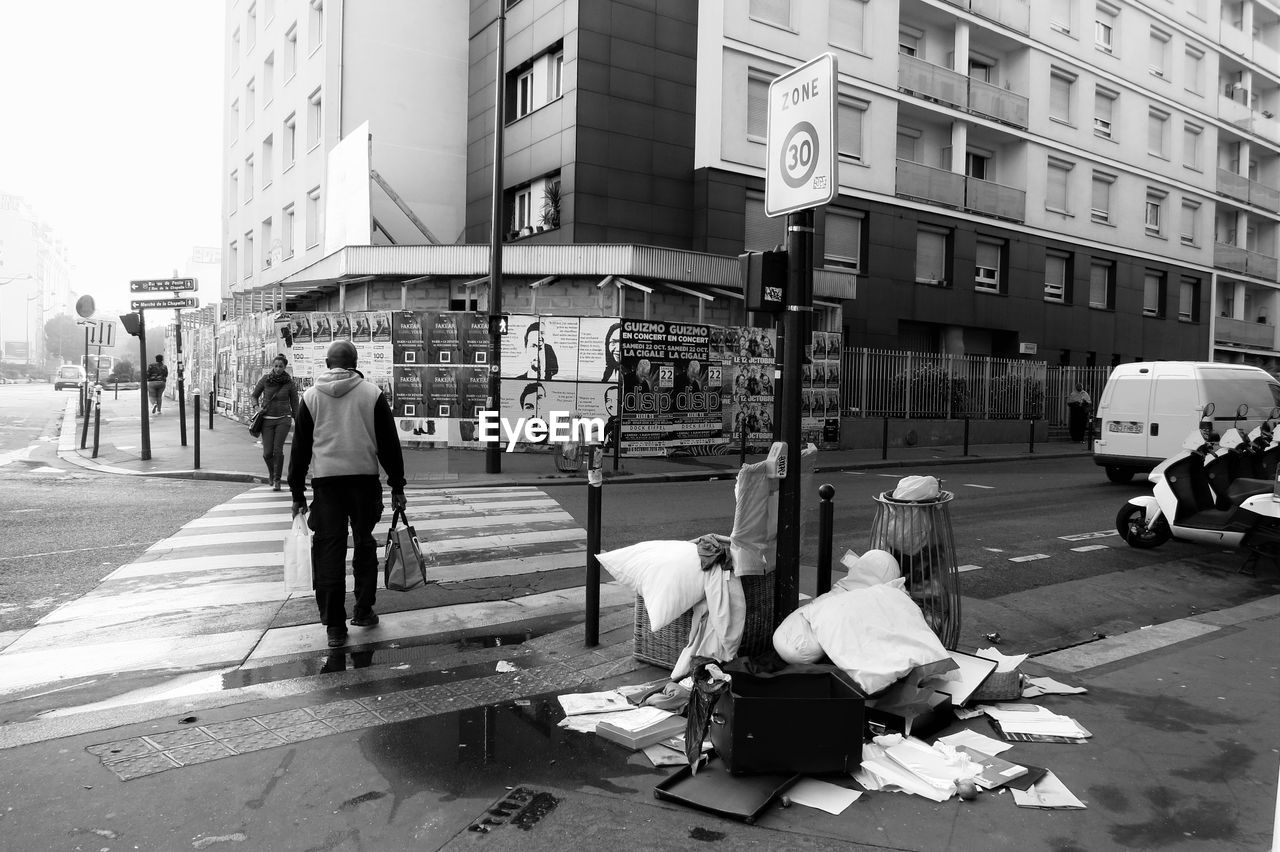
(148, 304)
(801, 163)
(103, 333)
(162, 285)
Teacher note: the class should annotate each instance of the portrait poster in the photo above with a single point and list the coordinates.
(444, 341)
(322, 327)
(558, 359)
(747, 391)
(599, 349)
(520, 347)
(341, 326)
(521, 397)
(381, 326)
(561, 400)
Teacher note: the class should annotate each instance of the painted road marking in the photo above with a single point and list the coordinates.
(964, 568)
(993, 549)
(1089, 547)
(853, 472)
(1029, 558)
(971, 485)
(1088, 535)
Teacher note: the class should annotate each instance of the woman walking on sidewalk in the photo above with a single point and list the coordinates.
(279, 401)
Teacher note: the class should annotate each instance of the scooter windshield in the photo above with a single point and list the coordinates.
(1195, 440)
(1231, 439)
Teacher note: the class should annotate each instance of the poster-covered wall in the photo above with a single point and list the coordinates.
(671, 390)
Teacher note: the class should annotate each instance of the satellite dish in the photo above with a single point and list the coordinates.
(84, 306)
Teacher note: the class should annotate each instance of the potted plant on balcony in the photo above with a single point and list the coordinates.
(551, 205)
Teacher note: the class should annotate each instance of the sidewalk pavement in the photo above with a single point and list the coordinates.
(228, 452)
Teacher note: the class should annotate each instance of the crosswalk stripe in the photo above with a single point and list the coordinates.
(451, 514)
(285, 507)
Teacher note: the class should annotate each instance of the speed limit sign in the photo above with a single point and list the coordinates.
(802, 164)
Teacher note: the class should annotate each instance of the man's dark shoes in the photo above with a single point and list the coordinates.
(337, 638)
(364, 619)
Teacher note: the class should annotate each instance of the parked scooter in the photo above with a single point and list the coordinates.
(1182, 504)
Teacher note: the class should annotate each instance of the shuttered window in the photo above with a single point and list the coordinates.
(987, 265)
(931, 255)
(907, 146)
(1055, 277)
(1156, 126)
(761, 232)
(1100, 284)
(1153, 294)
(1060, 95)
(845, 21)
(1101, 199)
(776, 12)
(850, 129)
(757, 106)
(1189, 300)
(844, 241)
(1056, 197)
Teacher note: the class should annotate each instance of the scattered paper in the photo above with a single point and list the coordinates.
(822, 795)
(504, 666)
(586, 722)
(928, 764)
(593, 702)
(880, 772)
(1004, 662)
(638, 718)
(961, 682)
(1032, 723)
(963, 713)
(661, 755)
(1037, 686)
(1048, 792)
(993, 771)
(975, 741)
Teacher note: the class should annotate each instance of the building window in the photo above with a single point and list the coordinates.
(1155, 211)
(268, 154)
(250, 101)
(233, 256)
(1153, 294)
(845, 24)
(291, 52)
(268, 78)
(267, 248)
(248, 177)
(248, 254)
(1100, 205)
(251, 26)
(986, 275)
(233, 189)
(1102, 284)
(235, 119)
(843, 241)
(774, 12)
(1158, 53)
(286, 232)
(235, 52)
(1193, 71)
(524, 94)
(290, 153)
(931, 255)
(1191, 145)
(1060, 86)
(1104, 27)
(315, 25)
(757, 105)
(313, 218)
(314, 116)
(1189, 300)
(849, 117)
(760, 232)
(909, 43)
(522, 209)
(1104, 101)
(1060, 15)
(1157, 133)
(1190, 213)
(1057, 197)
(1056, 268)
(908, 142)
(556, 89)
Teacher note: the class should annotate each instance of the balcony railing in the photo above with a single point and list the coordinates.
(933, 82)
(1245, 262)
(1014, 14)
(938, 186)
(993, 199)
(1000, 104)
(1241, 333)
(1266, 197)
(1233, 185)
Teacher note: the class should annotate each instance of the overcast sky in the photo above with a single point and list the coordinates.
(110, 128)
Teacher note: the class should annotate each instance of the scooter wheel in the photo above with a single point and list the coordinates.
(1133, 528)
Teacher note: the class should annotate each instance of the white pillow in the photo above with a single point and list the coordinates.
(869, 569)
(667, 574)
(794, 640)
(876, 634)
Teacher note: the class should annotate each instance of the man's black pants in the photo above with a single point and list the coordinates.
(340, 502)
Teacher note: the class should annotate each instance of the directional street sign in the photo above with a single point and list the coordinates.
(801, 168)
(162, 285)
(149, 304)
(103, 333)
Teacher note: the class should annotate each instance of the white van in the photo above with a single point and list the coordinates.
(1148, 407)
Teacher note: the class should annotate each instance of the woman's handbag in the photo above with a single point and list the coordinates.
(404, 566)
(297, 557)
(255, 425)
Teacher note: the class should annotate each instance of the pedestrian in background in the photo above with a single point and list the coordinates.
(1078, 406)
(278, 396)
(157, 376)
(346, 428)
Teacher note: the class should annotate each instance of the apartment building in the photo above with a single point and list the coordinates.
(35, 280)
(302, 75)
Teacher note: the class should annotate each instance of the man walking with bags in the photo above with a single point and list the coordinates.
(346, 428)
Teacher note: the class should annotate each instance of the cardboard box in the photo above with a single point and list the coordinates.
(804, 719)
(657, 732)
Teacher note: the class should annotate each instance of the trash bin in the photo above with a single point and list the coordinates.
(918, 534)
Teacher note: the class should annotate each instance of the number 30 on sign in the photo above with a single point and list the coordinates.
(802, 162)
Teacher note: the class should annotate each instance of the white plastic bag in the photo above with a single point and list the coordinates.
(297, 557)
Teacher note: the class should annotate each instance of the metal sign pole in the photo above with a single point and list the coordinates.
(493, 449)
(142, 386)
(182, 399)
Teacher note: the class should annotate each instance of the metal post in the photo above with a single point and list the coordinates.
(195, 423)
(212, 392)
(1089, 429)
(826, 527)
(1031, 436)
(142, 385)
(595, 481)
(84, 391)
(966, 436)
(97, 418)
(795, 323)
(493, 452)
(182, 395)
(84, 433)
(884, 441)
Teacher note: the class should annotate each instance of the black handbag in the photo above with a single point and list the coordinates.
(404, 566)
(255, 425)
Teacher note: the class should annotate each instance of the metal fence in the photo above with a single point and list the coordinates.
(889, 383)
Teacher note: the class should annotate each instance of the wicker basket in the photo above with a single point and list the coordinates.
(663, 647)
(999, 686)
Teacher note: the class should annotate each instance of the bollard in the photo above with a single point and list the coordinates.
(884, 441)
(1089, 433)
(595, 480)
(117, 388)
(826, 527)
(966, 436)
(84, 433)
(195, 421)
(211, 407)
(97, 419)
(1031, 436)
